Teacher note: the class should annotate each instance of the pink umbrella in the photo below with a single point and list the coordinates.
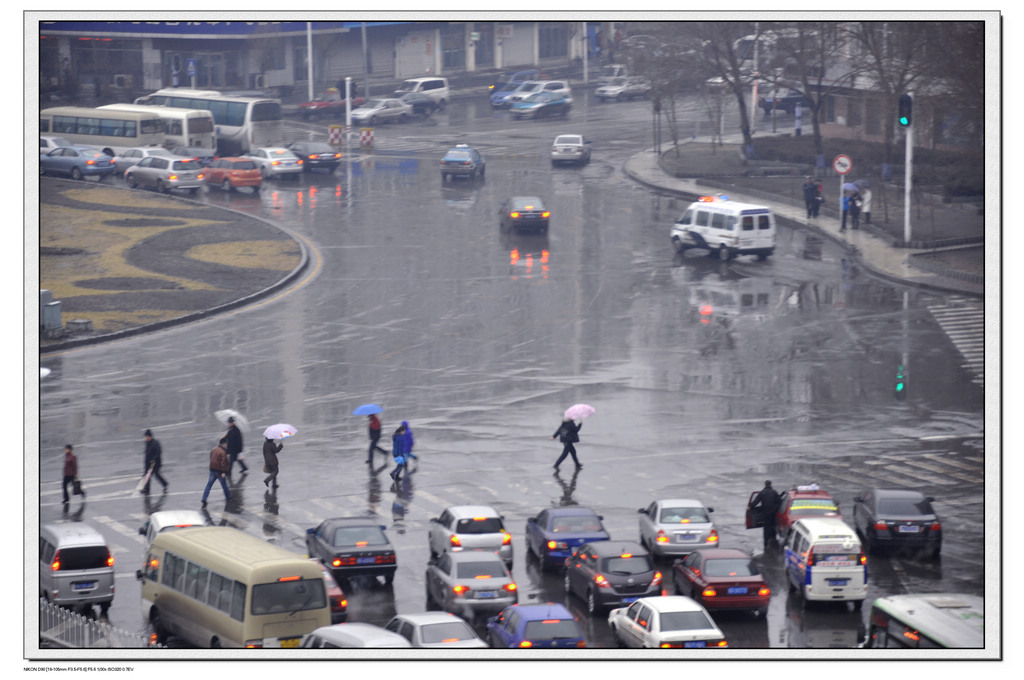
(579, 411)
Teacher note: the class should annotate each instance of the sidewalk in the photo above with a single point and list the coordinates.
(936, 270)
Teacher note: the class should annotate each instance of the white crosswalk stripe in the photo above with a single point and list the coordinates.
(963, 321)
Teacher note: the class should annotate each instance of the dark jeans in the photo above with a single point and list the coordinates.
(156, 474)
(568, 449)
(273, 475)
(769, 533)
(68, 479)
(374, 447)
(217, 475)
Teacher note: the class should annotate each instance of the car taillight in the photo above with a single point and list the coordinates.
(709, 592)
(810, 559)
(545, 214)
(110, 559)
(506, 538)
(526, 643)
(881, 526)
(863, 558)
(460, 590)
(90, 162)
(936, 526)
(510, 587)
(173, 178)
(200, 176)
(55, 565)
(601, 581)
(552, 545)
(764, 592)
(581, 644)
(712, 537)
(662, 538)
(254, 644)
(718, 643)
(657, 579)
(514, 215)
(454, 540)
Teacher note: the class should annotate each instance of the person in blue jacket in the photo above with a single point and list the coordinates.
(398, 451)
(409, 441)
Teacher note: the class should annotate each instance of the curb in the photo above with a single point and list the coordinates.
(202, 314)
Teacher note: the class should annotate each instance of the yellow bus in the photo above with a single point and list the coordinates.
(221, 587)
(110, 131)
(182, 127)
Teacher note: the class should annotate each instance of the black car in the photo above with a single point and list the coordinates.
(421, 104)
(316, 155)
(611, 574)
(785, 103)
(897, 518)
(353, 547)
(524, 213)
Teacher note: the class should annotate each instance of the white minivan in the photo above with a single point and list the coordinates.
(824, 560)
(726, 228)
(432, 86)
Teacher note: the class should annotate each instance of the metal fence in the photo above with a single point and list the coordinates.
(60, 627)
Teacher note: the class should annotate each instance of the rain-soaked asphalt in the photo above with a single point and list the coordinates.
(416, 301)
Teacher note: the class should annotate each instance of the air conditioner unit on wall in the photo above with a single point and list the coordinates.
(123, 80)
(259, 80)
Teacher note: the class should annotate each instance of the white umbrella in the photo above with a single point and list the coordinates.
(280, 431)
(579, 411)
(240, 420)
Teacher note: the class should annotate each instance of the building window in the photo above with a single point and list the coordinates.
(453, 48)
(553, 40)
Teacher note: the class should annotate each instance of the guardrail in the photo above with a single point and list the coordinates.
(62, 627)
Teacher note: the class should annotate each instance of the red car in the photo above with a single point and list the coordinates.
(335, 595)
(722, 578)
(231, 173)
(796, 503)
(329, 104)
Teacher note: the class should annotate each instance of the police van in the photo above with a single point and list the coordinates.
(824, 560)
(726, 228)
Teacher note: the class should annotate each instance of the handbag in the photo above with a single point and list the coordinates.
(266, 469)
(76, 488)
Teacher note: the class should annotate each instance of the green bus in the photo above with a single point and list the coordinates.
(927, 621)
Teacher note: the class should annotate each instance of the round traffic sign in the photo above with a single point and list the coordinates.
(842, 164)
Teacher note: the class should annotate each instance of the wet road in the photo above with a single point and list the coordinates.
(415, 300)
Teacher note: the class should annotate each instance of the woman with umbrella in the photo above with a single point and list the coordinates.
(270, 450)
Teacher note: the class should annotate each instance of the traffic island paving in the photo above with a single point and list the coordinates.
(129, 260)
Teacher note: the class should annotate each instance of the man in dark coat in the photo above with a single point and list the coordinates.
(234, 437)
(152, 460)
(568, 434)
(270, 451)
(70, 471)
(767, 502)
(219, 468)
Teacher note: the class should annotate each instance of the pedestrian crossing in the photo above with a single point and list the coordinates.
(937, 468)
(963, 322)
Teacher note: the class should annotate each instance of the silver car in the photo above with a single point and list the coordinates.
(382, 111)
(353, 636)
(437, 630)
(165, 173)
(623, 87)
(570, 149)
(76, 568)
(276, 162)
(470, 528)
(469, 583)
(131, 157)
(677, 526)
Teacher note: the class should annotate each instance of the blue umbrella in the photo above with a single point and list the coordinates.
(367, 409)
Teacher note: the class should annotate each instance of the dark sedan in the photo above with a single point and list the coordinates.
(897, 518)
(353, 547)
(421, 104)
(555, 532)
(722, 578)
(316, 155)
(524, 213)
(541, 105)
(611, 574)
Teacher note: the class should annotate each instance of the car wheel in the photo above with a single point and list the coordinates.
(132, 182)
(76, 173)
(568, 583)
(193, 191)
(857, 605)
(618, 641)
(389, 578)
(161, 187)
(592, 605)
(263, 173)
(226, 186)
(761, 612)
(158, 626)
(723, 253)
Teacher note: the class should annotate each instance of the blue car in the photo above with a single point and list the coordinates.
(501, 96)
(548, 625)
(77, 162)
(554, 533)
(541, 105)
(463, 161)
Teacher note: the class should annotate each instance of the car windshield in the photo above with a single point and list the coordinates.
(60, 141)
(739, 566)
(479, 525)
(88, 557)
(905, 507)
(538, 97)
(684, 515)
(316, 148)
(617, 82)
(529, 87)
(551, 629)
(627, 564)
(188, 164)
(527, 204)
(569, 139)
(451, 631)
(346, 537)
(575, 523)
(458, 155)
(374, 104)
(480, 570)
(280, 153)
(685, 621)
(812, 506)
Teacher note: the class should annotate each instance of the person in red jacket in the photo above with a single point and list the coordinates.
(374, 438)
(70, 471)
(219, 468)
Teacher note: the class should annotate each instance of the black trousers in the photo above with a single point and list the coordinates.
(567, 450)
(156, 475)
(68, 479)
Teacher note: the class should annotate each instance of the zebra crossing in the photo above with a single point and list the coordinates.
(963, 321)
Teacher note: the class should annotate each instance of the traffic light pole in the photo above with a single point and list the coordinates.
(908, 178)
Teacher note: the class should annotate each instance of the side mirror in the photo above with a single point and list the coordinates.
(929, 499)
(433, 519)
(382, 527)
(531, 520)
(642, 511)
(142, 531)
(711, 509)
(310, 532)
(601, 517)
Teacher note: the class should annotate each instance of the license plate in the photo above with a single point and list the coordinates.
(84, 585)
(695, 643)
(909, 529)
(628, 600)
(365, 560)
(737, 591)
(838, 581)
(686, 538)
(487, 593)
(290, 643)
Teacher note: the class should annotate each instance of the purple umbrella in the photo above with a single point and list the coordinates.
(579, 411)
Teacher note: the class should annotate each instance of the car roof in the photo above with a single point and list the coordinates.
(571, 512)
(352, 522)
(475, 556)
(175, 517)
(671, 603)
(463, 511)
(547, 610)
(427, 618)
(824, 524)
(526, 199)
(614, 548)
(897, 493)
(722, 553)
(684, 502)
(70, 534)
(819, 493)
(371, 635)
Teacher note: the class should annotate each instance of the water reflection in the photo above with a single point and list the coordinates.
(822, 625)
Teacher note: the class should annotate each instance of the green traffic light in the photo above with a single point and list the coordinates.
(904, 120)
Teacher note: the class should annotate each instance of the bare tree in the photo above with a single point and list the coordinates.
(724, 56)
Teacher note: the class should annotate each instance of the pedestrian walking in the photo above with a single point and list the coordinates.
(234, 437)
(398, 452)
(855, 205)
(153, 461)
(270, 451)
(846, 210)
(819, 197)
(568, 434)
(865, 208)
(70, 471)
(374, 438)
(220, 465)
(767, 503)
(810, 196)
(409, 441)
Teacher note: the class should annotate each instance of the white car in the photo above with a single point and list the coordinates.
(531, 86)
(353, 636)
(437, 630)
(468, 528)
(665, 621)
(623, 87)
(276, 161)
(382, 111)
(48, 143)
(677, 526)
(131, 157)
(571, 149)
(168, 520)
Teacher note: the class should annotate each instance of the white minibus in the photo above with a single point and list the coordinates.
(725, 228)
(110, 131)
(242, 123)
(182, 127)
(824, 560)
(221, 587)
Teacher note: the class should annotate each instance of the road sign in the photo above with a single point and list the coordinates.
(842, 164)
(191, 65)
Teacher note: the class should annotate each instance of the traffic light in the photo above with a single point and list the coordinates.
(900, 389)
(906, 111)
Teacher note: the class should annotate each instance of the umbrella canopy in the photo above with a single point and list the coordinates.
(367, 410)
(579, 411)
(240, 420)
(280, 431)
(850, 186)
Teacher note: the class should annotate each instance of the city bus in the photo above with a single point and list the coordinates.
(242, 123)
(221, 587)
(110, 131)
(927, 621)
(182, 127)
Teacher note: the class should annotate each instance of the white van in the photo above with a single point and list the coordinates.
(726, 228)
(76, 568)
(168, 520)
(434, 87)
(824, 560)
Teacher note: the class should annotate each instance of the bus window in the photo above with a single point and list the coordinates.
(288, 596)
